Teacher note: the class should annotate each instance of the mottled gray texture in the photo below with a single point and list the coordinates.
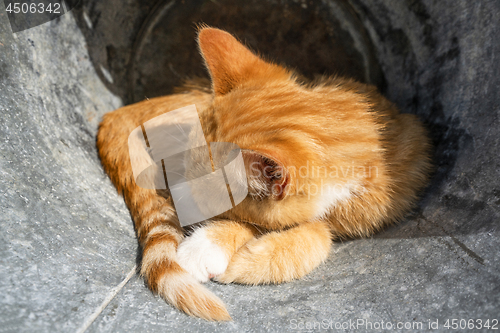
(66, 237)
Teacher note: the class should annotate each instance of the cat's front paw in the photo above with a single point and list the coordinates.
(201, 257)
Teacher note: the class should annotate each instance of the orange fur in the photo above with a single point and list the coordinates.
(331, 159)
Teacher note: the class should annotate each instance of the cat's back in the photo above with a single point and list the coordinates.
(392, 186)
(116, 126)
(129, 117)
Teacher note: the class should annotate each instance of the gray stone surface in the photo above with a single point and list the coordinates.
(66, 237)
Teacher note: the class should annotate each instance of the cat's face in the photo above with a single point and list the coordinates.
(286, 130)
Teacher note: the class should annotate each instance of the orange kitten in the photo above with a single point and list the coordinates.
(327, 160)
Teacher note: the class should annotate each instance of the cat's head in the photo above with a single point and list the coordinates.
(287, 130)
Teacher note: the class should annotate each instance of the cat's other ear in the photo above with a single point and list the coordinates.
(267, 177)
(229, 62)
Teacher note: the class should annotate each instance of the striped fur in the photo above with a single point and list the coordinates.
(327, 160)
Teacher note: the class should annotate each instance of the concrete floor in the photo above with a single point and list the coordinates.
(68, 249)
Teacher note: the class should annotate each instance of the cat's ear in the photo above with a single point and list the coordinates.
(229, 62)
(267, 176)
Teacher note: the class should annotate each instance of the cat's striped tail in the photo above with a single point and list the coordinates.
(165, 277)
(156, 225)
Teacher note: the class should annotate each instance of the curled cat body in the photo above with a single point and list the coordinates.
(326, 160)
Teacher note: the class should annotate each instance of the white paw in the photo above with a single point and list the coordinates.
(201, 257)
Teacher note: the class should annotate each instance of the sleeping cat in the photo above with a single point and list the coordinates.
(326, 160)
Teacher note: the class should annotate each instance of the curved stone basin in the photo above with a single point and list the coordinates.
(67, 244)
